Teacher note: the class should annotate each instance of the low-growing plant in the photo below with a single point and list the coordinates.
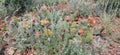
(68, 31)
(51, 34)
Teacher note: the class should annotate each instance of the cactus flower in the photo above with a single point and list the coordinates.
(37, 34)
(26, 24)
(67, 18)
(44, 22)
(33, 19)
(92, 21)
(80, 31)
(47, 32)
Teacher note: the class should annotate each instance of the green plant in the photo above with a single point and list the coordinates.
(82, 6)
(54, 37)
(56, 32)
(3, 11)
(108, 6)
(20, 5)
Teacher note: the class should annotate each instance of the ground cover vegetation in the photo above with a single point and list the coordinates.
(59, 27)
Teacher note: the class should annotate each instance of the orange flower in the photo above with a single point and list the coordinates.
(80, 31)
(47, 32)
(92, 21)
(26, 24)
(44, 22)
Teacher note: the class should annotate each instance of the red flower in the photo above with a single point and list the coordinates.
(37, 33)
(67, 18)
(33, 19)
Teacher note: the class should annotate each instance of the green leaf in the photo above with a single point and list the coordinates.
(88, 37)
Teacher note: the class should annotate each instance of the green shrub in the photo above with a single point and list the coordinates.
(2, 8)
(109, 6)
(20, 5)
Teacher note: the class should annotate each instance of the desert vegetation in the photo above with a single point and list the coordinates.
(59, 27)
